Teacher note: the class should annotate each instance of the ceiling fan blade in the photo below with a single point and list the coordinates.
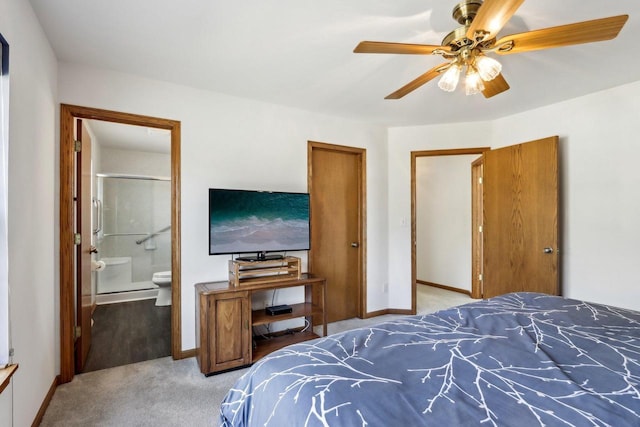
(415, 84)
(406, 48)
(491, 17)
(564, 35)
(495, 86)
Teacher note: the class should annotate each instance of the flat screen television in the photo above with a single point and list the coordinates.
(257, 222)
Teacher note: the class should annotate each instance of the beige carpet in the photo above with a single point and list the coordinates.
(164, 392)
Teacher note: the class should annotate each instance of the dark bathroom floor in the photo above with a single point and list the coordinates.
(128, 332)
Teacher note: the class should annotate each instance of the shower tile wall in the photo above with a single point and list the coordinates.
(135, 206)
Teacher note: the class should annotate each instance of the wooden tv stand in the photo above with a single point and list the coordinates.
(225, 319)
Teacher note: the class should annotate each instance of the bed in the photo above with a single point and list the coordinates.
(520, 359)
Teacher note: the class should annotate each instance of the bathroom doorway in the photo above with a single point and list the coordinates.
(135, 237)
(131, 238)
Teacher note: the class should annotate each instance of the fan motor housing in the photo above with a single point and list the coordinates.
(463, 13)
(457, 39)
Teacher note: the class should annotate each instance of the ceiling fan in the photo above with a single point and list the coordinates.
(466, 48)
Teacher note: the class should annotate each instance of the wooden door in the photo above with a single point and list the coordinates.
(83, 250)
(335, 184)
(520, 231)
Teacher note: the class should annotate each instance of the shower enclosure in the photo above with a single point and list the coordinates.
(132, 230)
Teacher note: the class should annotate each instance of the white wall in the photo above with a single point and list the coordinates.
(33, 211)
(443, 220)
(600, 224)
(129, 162)
(228, 142)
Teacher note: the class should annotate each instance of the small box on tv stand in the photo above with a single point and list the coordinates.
(278, 309)
(268, 271)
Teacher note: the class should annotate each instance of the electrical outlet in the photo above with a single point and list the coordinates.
(385, 287)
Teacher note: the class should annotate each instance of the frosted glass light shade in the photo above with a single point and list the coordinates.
(488, 68)
(473, 83)
(449, 80)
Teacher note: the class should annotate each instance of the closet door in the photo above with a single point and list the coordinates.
(337, 218)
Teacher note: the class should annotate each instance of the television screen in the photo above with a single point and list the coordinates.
(242, 221)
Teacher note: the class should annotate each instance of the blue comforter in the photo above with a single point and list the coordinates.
(521, 359)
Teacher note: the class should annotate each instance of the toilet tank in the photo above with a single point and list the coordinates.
(116, 274)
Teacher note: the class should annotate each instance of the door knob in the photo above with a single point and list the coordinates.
(355, 245)
(548, 250)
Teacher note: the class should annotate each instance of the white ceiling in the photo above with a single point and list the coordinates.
(299, 53)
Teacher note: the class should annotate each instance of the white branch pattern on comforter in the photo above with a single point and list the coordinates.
(521, 359)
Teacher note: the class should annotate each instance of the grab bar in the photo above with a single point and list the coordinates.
(150, 235)
(97, 205)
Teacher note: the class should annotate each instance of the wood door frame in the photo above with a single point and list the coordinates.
(477, 220)
(68, 113)
(414, 156)
(361, 154)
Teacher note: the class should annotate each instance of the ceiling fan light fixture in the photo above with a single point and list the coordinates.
(488, 68)
(465, 48)
(449, 80)
(473, 82)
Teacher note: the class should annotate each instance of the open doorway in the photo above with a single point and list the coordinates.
(441, 277)
(73, 318)
(131, 238)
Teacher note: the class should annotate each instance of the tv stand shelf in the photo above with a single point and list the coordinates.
(259, 317)
(224, 321)
(264, 347)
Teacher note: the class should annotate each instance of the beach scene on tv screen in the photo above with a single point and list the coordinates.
(248, 221)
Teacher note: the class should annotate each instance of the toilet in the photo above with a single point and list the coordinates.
(163, 280)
